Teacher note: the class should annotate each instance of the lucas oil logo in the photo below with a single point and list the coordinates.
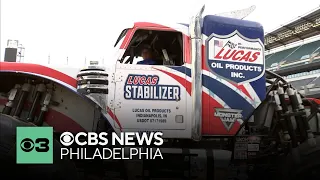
(228, 116)
(235, 57)
(147, 87)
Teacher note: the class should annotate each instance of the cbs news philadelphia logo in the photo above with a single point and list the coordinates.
(34, 145)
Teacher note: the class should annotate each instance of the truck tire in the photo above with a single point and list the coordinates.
(61, 169)
(309, 166)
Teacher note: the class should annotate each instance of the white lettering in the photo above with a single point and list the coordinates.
(102, 136)
(77, 138)
(115, 153)
(145, 138)
(92, 138)
(237, 75)
(158, 137)
(159, 92)
(129, 138)
(116, 138)
(128, 92)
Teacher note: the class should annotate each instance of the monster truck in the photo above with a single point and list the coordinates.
(211, 92)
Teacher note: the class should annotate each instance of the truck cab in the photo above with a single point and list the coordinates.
(152, 97)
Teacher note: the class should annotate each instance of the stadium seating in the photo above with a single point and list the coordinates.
(294, 54)
(299, 83)
(304, 50)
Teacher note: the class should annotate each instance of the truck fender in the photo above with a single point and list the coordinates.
(68, 87)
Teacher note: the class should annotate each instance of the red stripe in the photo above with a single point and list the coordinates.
(114, 117)
(126, 40)
(59, 121)
(181, 80)
(315, 100)
(242, 88)
(38, 69)
(144, 25)
(187, 52)
(204, 59)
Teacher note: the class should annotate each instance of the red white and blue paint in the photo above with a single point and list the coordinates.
(233, 82)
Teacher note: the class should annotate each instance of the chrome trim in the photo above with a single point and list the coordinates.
(196, 74)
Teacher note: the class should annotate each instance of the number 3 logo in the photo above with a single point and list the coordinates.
(43, 145)
(40, 145)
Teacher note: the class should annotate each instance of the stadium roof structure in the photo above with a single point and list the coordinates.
(303, 27)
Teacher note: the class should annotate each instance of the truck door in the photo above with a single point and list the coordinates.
(151, 97)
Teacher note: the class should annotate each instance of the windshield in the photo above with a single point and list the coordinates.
(122, 34)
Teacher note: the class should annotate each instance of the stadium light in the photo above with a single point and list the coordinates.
(12, 43)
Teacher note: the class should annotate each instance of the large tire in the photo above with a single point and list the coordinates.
(309, 165)
(61, 169)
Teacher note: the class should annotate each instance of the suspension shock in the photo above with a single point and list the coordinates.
(44, 108)
(295, 107)
(279, 111)
(40, 89)
(287, 119)
(13, 95)
(24, 94)
(305, 128)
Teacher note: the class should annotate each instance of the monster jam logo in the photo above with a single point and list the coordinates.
(235, 57)
(228, 116)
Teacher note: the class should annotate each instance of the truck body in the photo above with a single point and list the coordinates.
(211, 84)
(160, 98)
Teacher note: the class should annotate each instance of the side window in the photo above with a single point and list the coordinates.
(165, 47)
